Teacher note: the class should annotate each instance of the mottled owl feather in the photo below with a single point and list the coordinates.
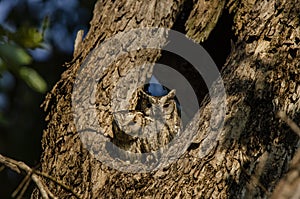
(151, 123)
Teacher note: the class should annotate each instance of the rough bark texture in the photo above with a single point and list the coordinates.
(244, 159)
(203, 19)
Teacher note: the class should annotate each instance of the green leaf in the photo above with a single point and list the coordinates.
(33, 79)
(28, 37)
(14, 55)
(45, 25)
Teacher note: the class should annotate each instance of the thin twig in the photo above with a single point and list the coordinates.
(59, 183)
(45, 192)
(21, 185)
(289, 122)
(40, 186)
(287, 185)
(51, 195)
(17, 165)
(27, 182)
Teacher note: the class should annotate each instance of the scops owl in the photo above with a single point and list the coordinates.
(150, 123)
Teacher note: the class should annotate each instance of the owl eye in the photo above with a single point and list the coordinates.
(166, 105)
(131, 123)
(148, 105)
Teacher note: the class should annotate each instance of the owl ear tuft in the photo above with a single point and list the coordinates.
(172, 93)
(141, 92)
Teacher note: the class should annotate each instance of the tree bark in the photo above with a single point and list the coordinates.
(245, 158)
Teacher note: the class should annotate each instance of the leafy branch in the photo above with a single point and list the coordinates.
(15, 58)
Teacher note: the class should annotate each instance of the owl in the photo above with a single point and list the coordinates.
(150, 123)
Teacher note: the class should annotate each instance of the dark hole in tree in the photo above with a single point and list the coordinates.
(218, 45)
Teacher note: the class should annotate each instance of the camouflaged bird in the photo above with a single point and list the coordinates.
(150, 124)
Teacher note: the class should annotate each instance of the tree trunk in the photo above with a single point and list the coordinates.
(244, 158)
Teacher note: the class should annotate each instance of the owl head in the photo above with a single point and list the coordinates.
(156, 106)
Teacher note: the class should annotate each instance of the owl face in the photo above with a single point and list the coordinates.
(152, 122)
(157, 108)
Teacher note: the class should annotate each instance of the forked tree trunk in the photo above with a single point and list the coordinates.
(245, 158)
